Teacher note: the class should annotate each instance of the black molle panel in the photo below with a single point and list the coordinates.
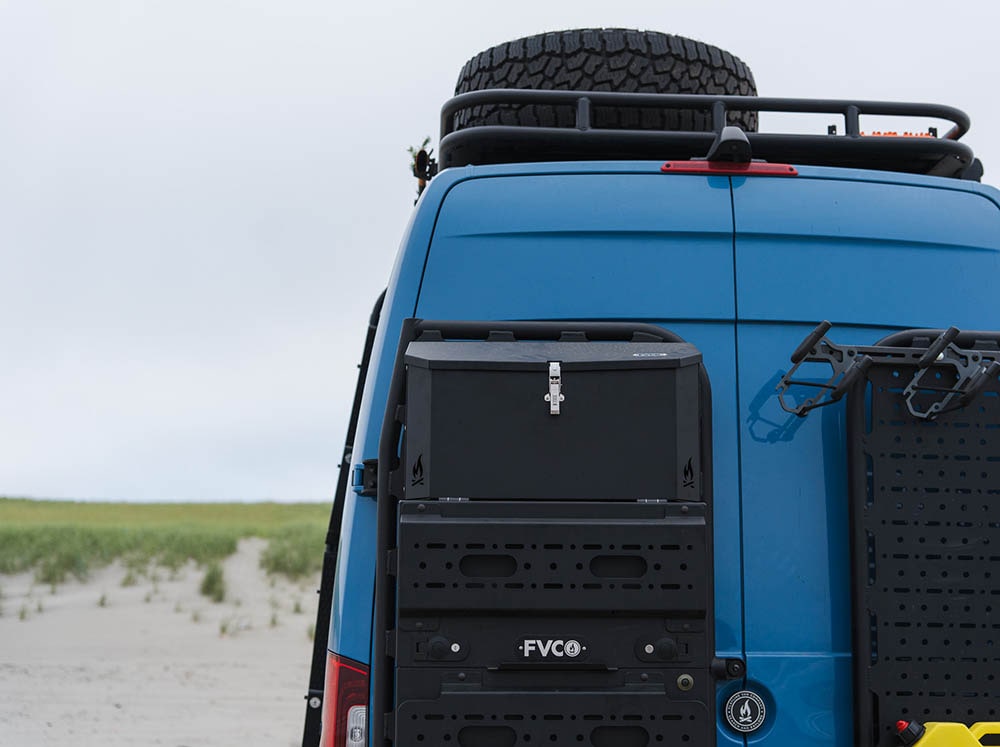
(926, 532)
(590, 557)
(636, 718)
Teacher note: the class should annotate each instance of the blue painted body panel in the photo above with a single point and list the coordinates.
(743, 269)
(600, 246)
(866, 253)
(795, 547)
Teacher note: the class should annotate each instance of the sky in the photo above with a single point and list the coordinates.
(201, 199)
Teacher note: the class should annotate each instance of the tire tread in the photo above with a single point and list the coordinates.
(605, 60)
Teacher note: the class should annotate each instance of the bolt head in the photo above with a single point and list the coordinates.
(455, 648)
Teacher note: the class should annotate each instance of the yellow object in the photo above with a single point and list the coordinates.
(948, 734)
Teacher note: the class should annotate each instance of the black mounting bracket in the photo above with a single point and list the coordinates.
(731, 145)
(971, 370)
(728, 669)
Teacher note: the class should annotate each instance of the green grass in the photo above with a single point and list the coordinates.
(63, 539)
(291, 550)
(213, 585)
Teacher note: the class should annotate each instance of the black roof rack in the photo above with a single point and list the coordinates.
(483, 144)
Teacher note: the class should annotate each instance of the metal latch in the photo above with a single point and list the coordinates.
(555, 395)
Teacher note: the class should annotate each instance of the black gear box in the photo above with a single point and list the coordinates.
(553, 421)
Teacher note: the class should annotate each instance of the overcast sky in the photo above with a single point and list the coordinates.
(200, 200)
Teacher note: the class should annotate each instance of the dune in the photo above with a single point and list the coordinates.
(156, 662)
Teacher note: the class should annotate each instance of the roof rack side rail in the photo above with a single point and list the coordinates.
(924, 154)
(719, 106)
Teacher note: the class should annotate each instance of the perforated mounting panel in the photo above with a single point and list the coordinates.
(514, 557)
(487, 589)
(925, 502)
(638, 718)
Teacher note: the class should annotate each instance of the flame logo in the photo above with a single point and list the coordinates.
(745, 711)
(746, 715)
(689, 474)
(418, 471)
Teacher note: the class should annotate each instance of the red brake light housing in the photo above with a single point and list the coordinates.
(729, 168)
(345, 703)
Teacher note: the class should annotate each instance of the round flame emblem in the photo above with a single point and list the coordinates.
(745, 711)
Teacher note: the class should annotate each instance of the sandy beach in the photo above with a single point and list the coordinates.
(156, 662)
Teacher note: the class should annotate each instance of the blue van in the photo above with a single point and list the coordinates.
(669, 430)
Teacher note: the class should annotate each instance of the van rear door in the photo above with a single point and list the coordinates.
(872, 257)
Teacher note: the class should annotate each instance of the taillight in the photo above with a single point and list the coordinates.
(345, 703)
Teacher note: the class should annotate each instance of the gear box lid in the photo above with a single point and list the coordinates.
(534, 420)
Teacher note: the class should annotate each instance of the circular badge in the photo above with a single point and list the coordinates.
(745, 711)
(572, 648)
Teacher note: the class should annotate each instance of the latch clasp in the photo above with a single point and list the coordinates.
(555, 395)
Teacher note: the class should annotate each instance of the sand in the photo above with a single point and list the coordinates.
(156, 663)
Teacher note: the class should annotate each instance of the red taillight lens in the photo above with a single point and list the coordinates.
(345, 703)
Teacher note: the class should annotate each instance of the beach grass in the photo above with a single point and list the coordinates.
(62, 539)
(290, 551)
(213, 585)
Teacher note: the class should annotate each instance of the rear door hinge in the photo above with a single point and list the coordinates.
(364, 481)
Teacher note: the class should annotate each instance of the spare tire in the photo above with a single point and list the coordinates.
(620, 60)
